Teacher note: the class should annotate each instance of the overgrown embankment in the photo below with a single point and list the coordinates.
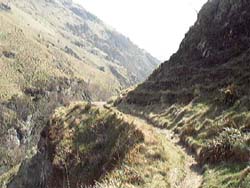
(91, 145)
(23, 117)
(79, 145)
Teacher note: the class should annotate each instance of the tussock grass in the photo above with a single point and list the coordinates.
(114, 149)
(153, 163)
(227, 175)
(216, 132)
(36, 59)
(86, 142)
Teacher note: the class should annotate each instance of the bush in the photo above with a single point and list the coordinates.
(230, 145)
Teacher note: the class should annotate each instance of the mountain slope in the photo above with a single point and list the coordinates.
(53, 52)
(202, 92)
(59, 38)
(90, 145)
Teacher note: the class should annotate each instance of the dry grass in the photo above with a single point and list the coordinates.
(6, 177)
(36, 59)
(215, 135)
(38, 42)
(88, 141)
(227, 175)
(153, 163)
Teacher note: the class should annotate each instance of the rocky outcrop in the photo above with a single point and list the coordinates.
(22, 118)
(213, 55)
(5, 7)
(79, 145)
(9, 54)
(117, 48)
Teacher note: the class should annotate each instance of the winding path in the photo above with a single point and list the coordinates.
(192, 171)
(193, 175)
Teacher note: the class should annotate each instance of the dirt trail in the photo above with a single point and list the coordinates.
(193, 178)
(192, 171)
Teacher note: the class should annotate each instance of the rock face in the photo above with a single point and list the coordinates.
(212, 56)
(4, 7)
(202, 91)
(22, 118)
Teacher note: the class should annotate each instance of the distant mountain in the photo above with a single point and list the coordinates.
(62, 39)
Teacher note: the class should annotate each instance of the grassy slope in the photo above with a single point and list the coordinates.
(204, 136)
(44, 46)
(146, 164)
(202, 93)
(35, 59)
(36, 39)
(96, 138)
(154, 163)
(102, 145)
(227, 175)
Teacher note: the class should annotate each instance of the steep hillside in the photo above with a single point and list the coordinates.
(86, 141)
(84, 145)
(202, 92)
(41, 39)
(22, 118)
(53, 52)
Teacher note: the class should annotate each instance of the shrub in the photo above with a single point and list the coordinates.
(230, 145)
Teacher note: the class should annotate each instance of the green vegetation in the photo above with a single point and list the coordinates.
(92, 141)
(23, 117)
(36, 47)
(214, 134)
(202, 94)
(227, 176)
(93, 145)
(6, 177)
(88, 142)
(151, 164)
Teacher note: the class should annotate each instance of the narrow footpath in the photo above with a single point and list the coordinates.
(190, 170)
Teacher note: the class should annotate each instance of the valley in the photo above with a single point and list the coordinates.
(83, 106)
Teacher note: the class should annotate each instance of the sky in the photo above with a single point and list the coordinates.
(158, 26)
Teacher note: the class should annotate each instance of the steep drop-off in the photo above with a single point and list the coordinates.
(53, 52)
(80, 144)
(97, 145)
